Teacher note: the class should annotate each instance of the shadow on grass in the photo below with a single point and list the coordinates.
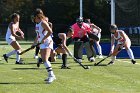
(21, 43)
(97, 65)
(1, 63)
(32, 68)
(6, 83)
(56, 63)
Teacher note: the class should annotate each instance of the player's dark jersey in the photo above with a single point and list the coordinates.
(56, 39)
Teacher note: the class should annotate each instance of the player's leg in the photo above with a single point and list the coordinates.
(99, 49)
(9, 41)
(52, 57)
(64, 57)
(45, 53)
(36, 52)
(89, 52)
(92, 48)
(17, 47)
(129, 51)
(78, 50)
(114, 54)
(45, 50)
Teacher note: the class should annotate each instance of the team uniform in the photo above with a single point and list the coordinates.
(80, 36)
(48, 44)
(97, 33)
(57, 41)
(120, 41)
(58, 44)
(9, 37)
(80, 32)
(40, 35)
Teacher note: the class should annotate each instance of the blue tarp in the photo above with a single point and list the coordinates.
(122, 54)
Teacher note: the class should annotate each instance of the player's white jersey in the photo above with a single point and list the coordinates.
(41, 32)
(9, 34)
(119, 38)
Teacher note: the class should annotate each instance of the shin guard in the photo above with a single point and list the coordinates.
(78, 49)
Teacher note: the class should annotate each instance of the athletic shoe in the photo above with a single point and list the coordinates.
(100, 56)
(35, 57)
(111, 63)
(91, 59)
(5, 58)
(39, 61)
(50, 79)
(65, 67)
(133, 61)
(20, 62)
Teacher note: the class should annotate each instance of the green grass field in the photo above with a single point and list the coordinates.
(122, 77)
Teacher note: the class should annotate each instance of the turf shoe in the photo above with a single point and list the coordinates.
(100, 56)
(50, 79)
(133, 61)
(20, 62)
(36, 57)
(65, 67)
(5, 58)
(91, 59)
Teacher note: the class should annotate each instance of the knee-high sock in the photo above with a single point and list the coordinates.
(99, 49)
(48, 67)
(11, 53)
(17, 55)
(113, 58)
(37, 50)
(130, 53)
(64, 58)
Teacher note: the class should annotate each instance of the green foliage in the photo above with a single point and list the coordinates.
(62, 11)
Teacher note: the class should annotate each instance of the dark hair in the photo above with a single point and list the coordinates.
(14, 15)
(38, 11)
(113, 27)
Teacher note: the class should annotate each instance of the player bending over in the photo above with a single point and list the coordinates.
(123, 41)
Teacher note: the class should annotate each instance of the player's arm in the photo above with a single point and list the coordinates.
(112, 44)
(63, 37)
(124, 37)
(46, 26)
(21, 32)
(99, 29)
(50, 24)
(13, 32)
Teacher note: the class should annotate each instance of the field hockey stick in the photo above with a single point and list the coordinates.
(85, 67)
(108, 56)
(26, 50)
(101, 60)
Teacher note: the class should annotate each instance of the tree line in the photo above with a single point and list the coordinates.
(59, 11)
